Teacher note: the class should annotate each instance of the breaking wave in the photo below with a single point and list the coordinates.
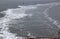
(20, 13)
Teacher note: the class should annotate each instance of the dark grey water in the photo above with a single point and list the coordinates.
(2, 15)
(5, 4)
(38, 25)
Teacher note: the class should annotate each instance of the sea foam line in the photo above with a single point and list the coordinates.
(55, 22)
(12, 14)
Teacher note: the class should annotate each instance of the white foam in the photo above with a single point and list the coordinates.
(13, 14)
(20, 13)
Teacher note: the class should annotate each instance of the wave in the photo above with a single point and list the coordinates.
(20, 13)
(12, 14)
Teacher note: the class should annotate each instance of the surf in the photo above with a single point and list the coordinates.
(18, 13)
